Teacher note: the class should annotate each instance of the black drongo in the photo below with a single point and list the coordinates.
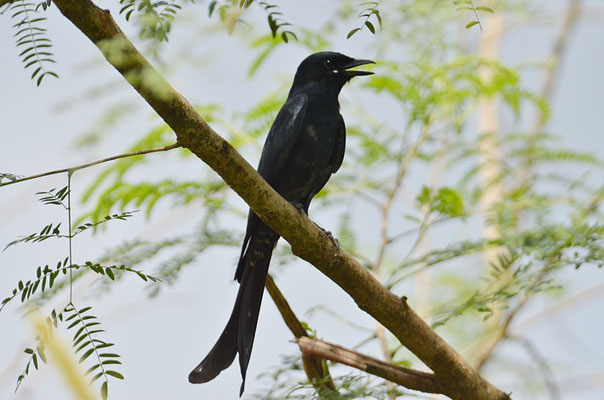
(304, 147)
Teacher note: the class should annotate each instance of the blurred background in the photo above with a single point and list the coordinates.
(472, 185)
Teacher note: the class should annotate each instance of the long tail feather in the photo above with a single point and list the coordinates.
(238, 335)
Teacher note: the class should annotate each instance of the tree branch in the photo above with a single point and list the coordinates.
(384, 241)
(92, 163)
(500, 334)
(409, 378)
(458, 380)
(558, 50)
(542, 365)
(316, 371)
(552, 71)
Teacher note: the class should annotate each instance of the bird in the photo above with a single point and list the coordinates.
(304, 147)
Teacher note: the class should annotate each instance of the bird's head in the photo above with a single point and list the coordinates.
(330, 69)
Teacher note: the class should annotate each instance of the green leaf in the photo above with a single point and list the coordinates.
(80, 331)
(352, 32)
(91, 369)
(104, 390)
(471, 24)
(86, 355)
(115, 374)
(74, 323)
(78, 340)
(97, 376)
(113, 355)
(370, 26)
(86, 343)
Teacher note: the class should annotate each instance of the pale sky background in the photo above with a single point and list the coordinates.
(163, 338)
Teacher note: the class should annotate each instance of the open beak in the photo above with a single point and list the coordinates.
(355, 63)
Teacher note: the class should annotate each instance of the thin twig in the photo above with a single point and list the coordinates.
(476, 14)
(559, 49)
(386, 206)
(69, 174)
(90, 164)
(549, 81)
(500, 334)
(542, 366)
(559, 308)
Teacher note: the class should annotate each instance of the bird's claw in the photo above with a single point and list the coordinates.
(299, 207)
(331, 237)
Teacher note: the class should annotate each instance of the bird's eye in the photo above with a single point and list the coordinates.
(329, 64)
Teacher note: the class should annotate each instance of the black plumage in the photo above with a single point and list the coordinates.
(304, 147)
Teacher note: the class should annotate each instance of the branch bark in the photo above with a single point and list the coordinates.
(458, 380)
(409, 378)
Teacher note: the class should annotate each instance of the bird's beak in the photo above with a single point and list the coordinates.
(355, 63)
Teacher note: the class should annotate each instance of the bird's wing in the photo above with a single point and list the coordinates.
(282, 136)
(277, 149)
(337, 156)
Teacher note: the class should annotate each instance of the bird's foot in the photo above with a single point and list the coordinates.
(330, 236)
(299, 207)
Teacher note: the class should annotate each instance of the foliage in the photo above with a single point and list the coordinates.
(370, 10)
(86, 340)
(469, 5)
(231, 10)
(154, 17)
(31, 38)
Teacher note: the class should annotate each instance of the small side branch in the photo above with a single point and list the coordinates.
(409, 378)
(92, 163)
(501, 334)
(316, 370)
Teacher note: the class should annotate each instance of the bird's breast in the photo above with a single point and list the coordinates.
(308, 169)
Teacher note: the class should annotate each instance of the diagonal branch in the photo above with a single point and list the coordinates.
(558, 51)
(458, 380)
